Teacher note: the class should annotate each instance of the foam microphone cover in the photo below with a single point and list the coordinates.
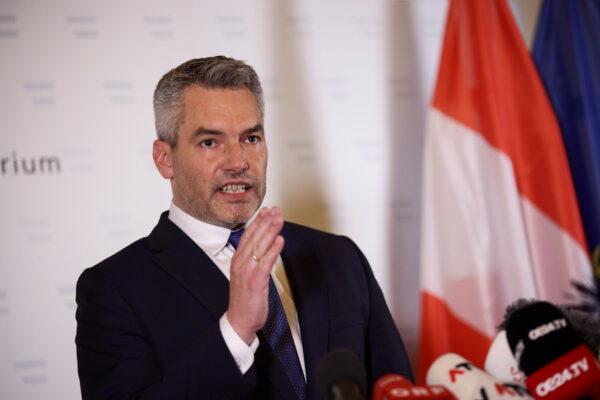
(548, 350)
(585, 323)
(396, 387)
(341, 376)
(466, 381)
(500, 361)
(538, 334)
(384, 383)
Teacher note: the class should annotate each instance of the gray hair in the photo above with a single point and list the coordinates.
(216, 72)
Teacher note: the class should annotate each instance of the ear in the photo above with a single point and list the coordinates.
(162, 153)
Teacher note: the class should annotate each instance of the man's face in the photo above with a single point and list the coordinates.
(218, 167)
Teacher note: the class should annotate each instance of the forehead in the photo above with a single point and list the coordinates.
(226, 106)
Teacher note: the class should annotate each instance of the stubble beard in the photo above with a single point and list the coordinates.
(229, 215)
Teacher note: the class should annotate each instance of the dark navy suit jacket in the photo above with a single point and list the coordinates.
(148, 319)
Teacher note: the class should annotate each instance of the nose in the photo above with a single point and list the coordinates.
(235, 159)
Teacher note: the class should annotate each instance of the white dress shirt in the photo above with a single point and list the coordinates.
(212, 240)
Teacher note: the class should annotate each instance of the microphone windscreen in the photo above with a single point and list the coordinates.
(382, 385)
(396, 387)
(587, 326)
(448, 371)
(557, 363)
(466, 381)
(585, 322)
(340, 365)
(500, 361)
(538, 334)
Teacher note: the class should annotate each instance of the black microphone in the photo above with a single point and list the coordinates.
(585, 323)
(341, 376)
(500, 361)
(558, 365)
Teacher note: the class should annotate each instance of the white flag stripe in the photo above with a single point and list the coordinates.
(484, 245)
(557, 258)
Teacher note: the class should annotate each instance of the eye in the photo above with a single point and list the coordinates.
(207, 143)
(252, 139)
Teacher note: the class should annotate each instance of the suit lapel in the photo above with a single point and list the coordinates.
(309, 291)
(277, 377)
(180, 257)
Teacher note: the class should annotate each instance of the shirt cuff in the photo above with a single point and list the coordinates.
(241, 352)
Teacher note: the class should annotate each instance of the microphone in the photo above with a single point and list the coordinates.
(500, 362)
(466, 381)
(341, 376)
(547, 349)
(394, 386)
(585, 323)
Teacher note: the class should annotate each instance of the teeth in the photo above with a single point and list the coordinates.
(233, 188)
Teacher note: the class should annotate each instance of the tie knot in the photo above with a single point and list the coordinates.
(234, 237)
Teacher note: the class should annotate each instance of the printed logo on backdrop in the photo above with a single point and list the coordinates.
(159, 26)
(15, 164)
(302, 150)
(3, 303)
(40, 92)
(334, 87)
(271, 89)
(231, 26)
(37, 230)
(83, 26)
(8, 26)
(21, 164)
(31, 371)
(301, 25)
(67, 294)
(119, 91)
(116, 225)
(369, 26)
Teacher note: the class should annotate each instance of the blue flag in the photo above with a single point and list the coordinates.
(567, 54)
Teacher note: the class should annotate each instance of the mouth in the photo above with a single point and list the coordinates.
(235, 188)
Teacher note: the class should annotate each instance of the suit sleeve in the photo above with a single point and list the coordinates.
(385, 352)
(116, 360)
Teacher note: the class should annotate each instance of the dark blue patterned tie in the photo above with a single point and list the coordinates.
(278, 334)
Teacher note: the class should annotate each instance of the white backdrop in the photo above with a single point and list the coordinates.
(347, 84)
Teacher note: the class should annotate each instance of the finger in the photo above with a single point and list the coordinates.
(251, 228)
(243, 252)
(263, 217)
(263, 239)
(260, 237)
(270, 257)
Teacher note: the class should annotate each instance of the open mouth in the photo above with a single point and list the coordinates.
(235, 188)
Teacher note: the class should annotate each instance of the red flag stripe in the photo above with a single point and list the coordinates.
(437, 320)
(496, 105)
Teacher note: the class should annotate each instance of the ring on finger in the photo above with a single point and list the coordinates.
(255, 258)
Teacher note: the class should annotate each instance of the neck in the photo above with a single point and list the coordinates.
(186, 208)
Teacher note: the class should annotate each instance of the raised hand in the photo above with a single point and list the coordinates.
(251, 266)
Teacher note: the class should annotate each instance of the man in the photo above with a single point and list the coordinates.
(198, 310)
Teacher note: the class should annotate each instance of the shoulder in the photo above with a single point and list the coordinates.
(305, 233)
(331, 248)
(135, 258)
(324, 242)
(126, 262)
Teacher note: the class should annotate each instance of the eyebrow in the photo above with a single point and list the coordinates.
(205, 131)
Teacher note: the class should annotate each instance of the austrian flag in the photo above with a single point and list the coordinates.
(500, 216)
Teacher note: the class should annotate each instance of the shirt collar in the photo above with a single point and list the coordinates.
(210, 238)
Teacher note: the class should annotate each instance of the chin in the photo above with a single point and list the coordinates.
(234, 215)
(235, 219)
(239, 219)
